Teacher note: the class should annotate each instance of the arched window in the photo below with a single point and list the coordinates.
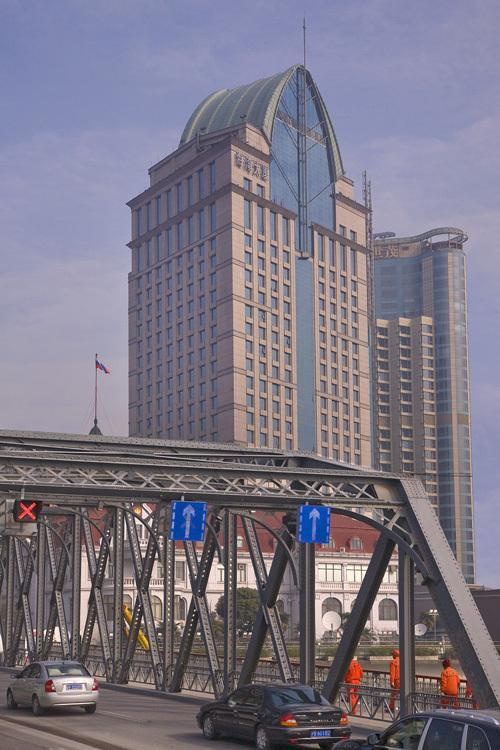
(179, 608)
(280, 606)
(387, 610)
(127, 599)
(157, 608)
(331, 605)
(355, 543)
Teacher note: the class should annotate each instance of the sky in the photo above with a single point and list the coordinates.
(95, 92)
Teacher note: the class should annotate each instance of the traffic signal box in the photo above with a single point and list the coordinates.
(26, 511)
(19, 517)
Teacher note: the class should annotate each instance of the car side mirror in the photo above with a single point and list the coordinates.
(373, 739)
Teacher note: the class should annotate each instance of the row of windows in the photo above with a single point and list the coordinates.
(166, 205)
(178, 236)
(254, 217)
(387, 608)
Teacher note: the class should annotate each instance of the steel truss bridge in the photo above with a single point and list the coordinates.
(88, 485)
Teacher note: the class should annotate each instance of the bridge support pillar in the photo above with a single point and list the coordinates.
(40, 590)
(307, 613)
(168, 599)
(230, 568)
(406, 632)
(76, 579)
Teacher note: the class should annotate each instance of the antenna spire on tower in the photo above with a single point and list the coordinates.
(304, 39)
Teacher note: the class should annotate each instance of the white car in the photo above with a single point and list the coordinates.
(53, 684)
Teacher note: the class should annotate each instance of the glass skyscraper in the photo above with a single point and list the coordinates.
(420, 284)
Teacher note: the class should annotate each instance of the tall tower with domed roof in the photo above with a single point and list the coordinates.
(248, 291)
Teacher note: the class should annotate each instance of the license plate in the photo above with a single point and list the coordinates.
(74, 686)
(321, 733)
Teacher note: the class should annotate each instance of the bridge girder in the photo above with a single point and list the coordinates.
(82, 472)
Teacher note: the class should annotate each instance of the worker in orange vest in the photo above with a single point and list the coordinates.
(395, 679)
(469, 695)
(353, 678)
(450, 682)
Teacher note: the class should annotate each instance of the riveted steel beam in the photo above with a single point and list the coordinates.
(76, 585)
(359, 615)
(97, 567)
(453, 599)
(406, 632)
(57, 613)
(268, 619)
(230, 583)
(199, 583)
(118, 543)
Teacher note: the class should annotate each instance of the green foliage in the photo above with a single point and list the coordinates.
(247, 606)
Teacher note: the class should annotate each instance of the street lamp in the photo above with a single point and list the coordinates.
(434, 614)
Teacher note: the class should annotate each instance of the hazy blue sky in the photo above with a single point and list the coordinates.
(94, 91)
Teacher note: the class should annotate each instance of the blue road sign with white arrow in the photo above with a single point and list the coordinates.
(188, 521)
(314, 524)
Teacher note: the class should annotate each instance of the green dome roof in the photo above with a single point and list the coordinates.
(255, 103)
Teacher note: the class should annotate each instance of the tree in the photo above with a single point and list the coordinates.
(247, 606)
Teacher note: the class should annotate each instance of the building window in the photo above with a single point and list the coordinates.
(260, 219)
(180, 571)
(248, 213)
(286, 231)
(201, 184)
(211, 168)
(179, 194)
(331, 604)
(329, 572)
(387, 610)
(213, 217)
(157, 607)
(355, 542)
(179, 608)
(355, 573)
(242, 573)
(190, 191)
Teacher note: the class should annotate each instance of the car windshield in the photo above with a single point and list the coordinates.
(66, 670)
(288, 695)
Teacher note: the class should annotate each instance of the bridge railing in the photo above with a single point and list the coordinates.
(373, 698)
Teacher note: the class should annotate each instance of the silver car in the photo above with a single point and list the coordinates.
(52, 684)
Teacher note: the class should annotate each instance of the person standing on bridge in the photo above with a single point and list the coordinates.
(450, 683)
(395, 679)
(353, 678)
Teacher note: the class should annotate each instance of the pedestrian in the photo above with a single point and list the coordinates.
(450, 683)
(469, 695)
(395, 679)
(353, 678)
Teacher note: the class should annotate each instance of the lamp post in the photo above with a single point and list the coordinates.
(434, 614)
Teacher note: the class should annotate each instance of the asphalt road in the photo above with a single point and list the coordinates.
(123, 721)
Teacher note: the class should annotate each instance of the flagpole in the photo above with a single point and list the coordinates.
(95, 392)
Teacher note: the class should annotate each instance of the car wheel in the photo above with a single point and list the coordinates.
(262, 740)
(90, 709)
(11, 703)
(36, 707)
(208, 727)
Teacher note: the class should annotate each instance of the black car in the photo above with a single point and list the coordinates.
(441, 729)
(278, 714)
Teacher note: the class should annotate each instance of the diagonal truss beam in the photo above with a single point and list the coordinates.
(57, 613)
(268, 619)
(143, 570)
(23, 620)
(453, 600)
(198, 612)
(97, 568)
(358, 617)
